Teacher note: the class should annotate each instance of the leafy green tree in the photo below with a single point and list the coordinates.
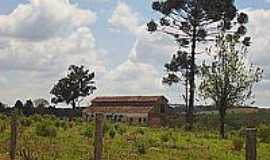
(191, 22)
(41, 103)
(19, 106)
(78, 83)
(178, 71)
(28, 108)
(229, 79)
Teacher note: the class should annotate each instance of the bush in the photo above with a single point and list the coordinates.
(26, 122)
(264, 133)
(3, 126)
(112, 133)
(3, 117)
(107, 127)
(153, 142)
(140, 146)
(120, 129)
(140, 131)
(237, 143)
(61, 124)
(46, 130)
(165, 137)
(88, 132)
(36, 118)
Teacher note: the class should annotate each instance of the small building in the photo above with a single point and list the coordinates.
(131, 109)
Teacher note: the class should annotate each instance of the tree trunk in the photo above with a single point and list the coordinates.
(186, 85)
(222, 122)
(73, 105)
(72, 114)
(192, 82)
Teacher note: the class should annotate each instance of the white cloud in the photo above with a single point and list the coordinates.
(43, 19)
(154, 49)
(142, 72)
(38, 41)
(259, 27)
(124, 18)
(259, 52)
(131, 78)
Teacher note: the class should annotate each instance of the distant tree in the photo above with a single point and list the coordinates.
(2, 107)
(229, 79)
(19, 106)
(28, 108)
(41, 103)
(77, 84)
(191, 22)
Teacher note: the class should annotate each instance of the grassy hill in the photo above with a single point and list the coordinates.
(48, 138)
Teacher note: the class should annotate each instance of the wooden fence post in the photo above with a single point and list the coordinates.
(251, 142)
(99, 136)
(13, 138)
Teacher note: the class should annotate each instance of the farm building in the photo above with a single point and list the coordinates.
(131, 109)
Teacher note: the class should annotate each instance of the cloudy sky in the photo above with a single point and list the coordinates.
(39, 39)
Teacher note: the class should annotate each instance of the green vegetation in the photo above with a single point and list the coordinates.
(46, 138)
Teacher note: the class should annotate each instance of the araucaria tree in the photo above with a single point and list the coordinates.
(191, 22)
(229, 78)
(77, 84)
(178, 71)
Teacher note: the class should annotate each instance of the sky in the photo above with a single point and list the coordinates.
(39, 39)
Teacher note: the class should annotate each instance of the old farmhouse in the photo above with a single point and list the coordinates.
(132, 109)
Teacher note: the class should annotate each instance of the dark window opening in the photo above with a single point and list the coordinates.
(162, 108)
(144, 120)
(120, 118)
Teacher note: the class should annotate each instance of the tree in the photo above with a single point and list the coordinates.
(229, 78)
(28, 108)
(19, 106)
(78, 83)
(178, 71)
(41, 103)
(191, 22)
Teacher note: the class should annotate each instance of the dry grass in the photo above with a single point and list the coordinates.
(4, 157)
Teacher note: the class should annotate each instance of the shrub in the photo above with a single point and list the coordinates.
(107, 127)
(165, 137)
(140, 131)
(46, 130)
(36, 118)
(3, 117)
(264, 133)
(140, 146)
(26, 122)
(112, 133)
(61, 124)
(153, 142)
(88, 132)
(237, 143)
(3, 126)
(120, 129)
(27, 154)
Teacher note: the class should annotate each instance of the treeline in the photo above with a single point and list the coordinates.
(28, 109)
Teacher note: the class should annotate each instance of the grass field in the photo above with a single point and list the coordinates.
(48, 138)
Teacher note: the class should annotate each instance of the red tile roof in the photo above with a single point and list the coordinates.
(120, 109)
